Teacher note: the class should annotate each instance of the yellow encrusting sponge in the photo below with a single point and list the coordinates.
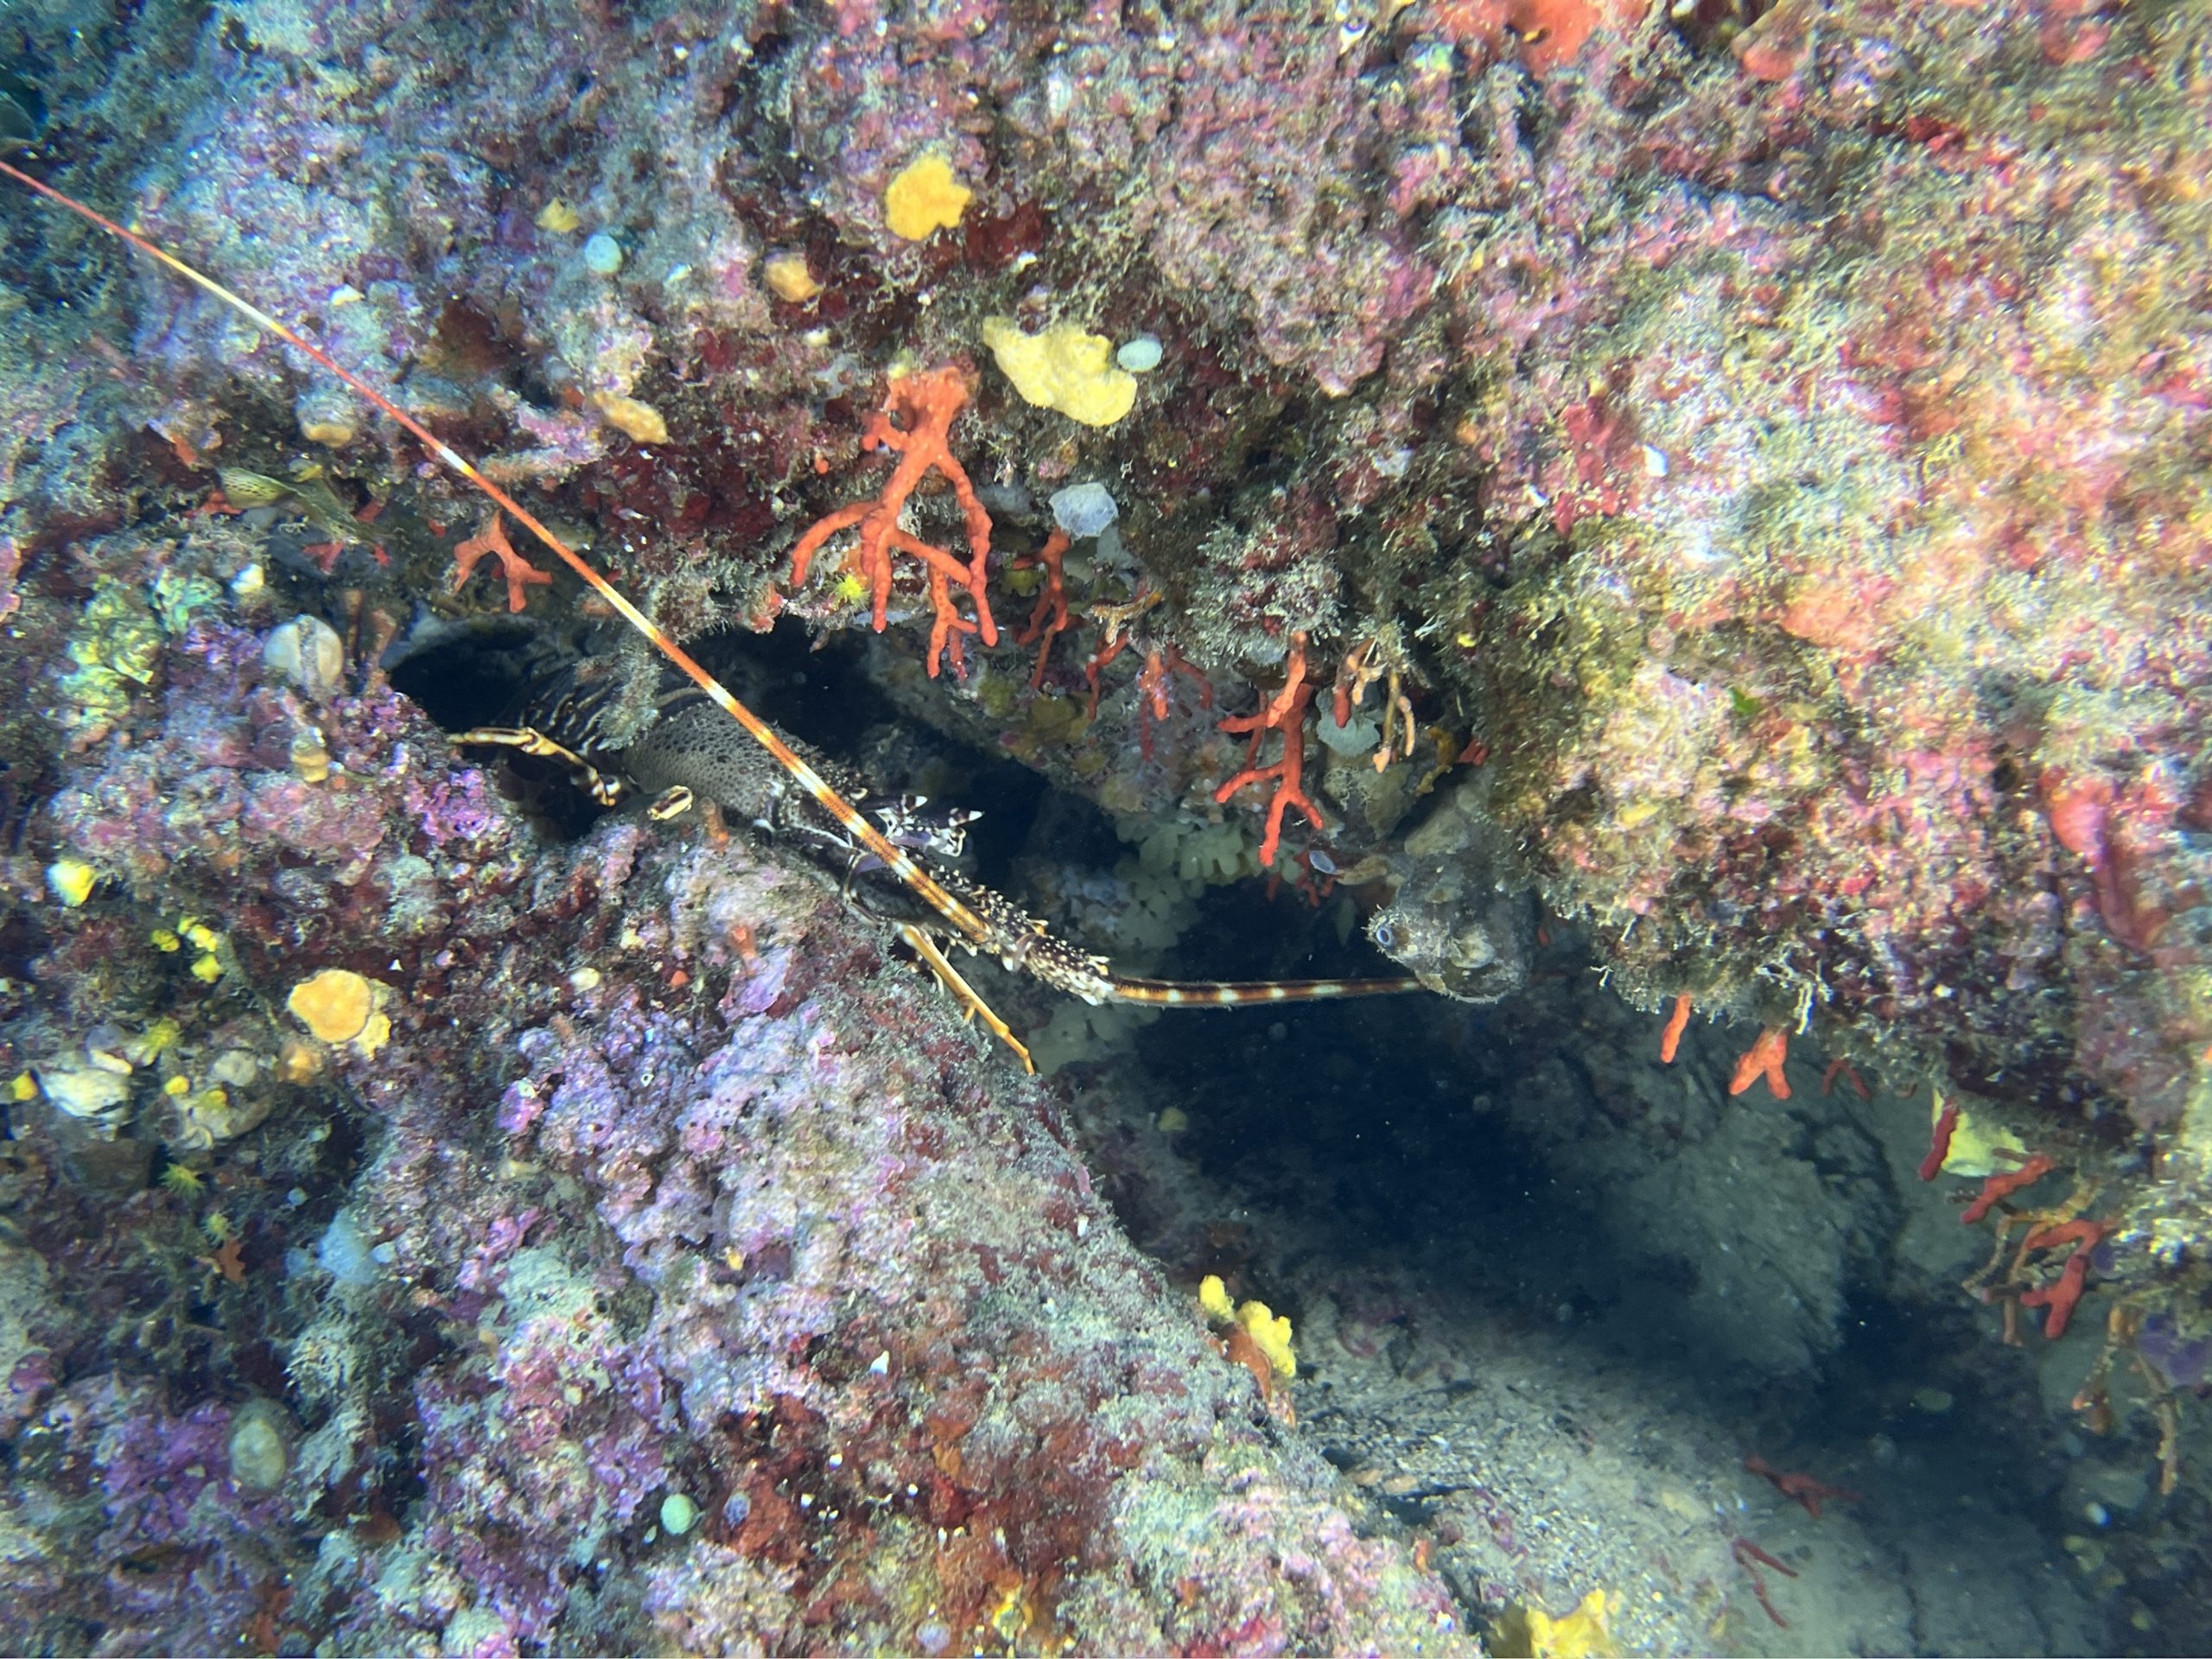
(1063, 368)
(1268, 1331)
(925, 198)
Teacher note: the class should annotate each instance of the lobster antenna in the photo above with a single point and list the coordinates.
(1247, 992)
(926, 887)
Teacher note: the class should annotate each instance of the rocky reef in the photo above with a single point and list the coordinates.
(634, 1254)
(1708, 500)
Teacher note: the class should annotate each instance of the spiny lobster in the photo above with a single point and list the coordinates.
(683, 756)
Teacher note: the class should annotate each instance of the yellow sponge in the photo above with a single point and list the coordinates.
(1213, 1296)
(71, 880)
(1528, 1632)
(1063, 368)
(927, 197)
(1977, 1147)
(341, 1007)
(1270, 1334)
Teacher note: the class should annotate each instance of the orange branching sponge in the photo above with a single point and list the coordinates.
(2003, 1184)
(1763, 1059)
(492, 540)
(1840, 1067)
(1799, 1488)
(916, 424)
(1153, 685)
(1939, 1140)
(1154, 688)
(1050, 620)
(1285, 712)
(1677, 1022)
(2061, 1296)
(1240, 1348)
(1750, 1558)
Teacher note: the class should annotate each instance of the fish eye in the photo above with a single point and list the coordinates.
(1384, 935)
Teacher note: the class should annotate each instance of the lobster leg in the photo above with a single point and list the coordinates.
(529, 740)
(970, 1000)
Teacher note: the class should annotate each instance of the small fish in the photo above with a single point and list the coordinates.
(249, 490)
(308, 495)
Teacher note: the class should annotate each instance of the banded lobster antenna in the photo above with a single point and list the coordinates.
(925, 885)
(1249, 993)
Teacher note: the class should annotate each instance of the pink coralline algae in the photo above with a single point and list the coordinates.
(165, 1549)
(1878, 637)
(827, 1326)
(459, 809)
(1234, 206)
(545, 1454)
(228, 777)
